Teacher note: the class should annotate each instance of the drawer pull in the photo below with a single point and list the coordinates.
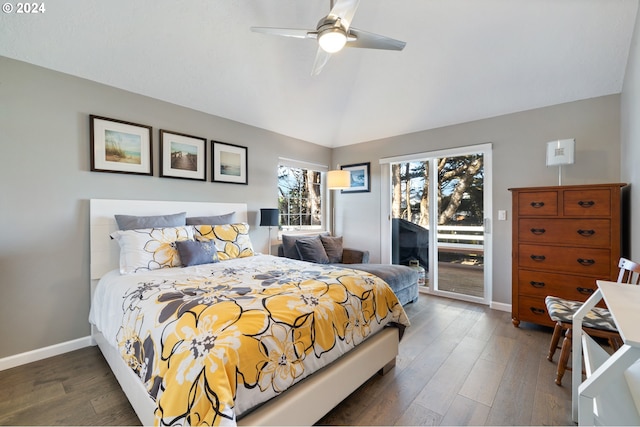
(536, 310)
(537, 204)
(538, 257)
(537, 284)
(586, 262)
(538, 231)
(585, 291)
(586, 233)
(586, 204)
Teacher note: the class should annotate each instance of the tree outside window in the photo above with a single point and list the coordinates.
(300, 198)
(460, 190)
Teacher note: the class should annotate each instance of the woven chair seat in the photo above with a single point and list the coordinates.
(562, 310)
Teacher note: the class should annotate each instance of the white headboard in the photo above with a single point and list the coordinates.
(105, 252)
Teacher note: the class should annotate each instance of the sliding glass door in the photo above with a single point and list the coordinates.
(436, 219)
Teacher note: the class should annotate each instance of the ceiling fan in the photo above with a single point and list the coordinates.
(334, 32)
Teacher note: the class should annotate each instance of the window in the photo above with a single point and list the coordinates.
(300, 198)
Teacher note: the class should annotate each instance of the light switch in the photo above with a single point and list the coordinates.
(502, 215)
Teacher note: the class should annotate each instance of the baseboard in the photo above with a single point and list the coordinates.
(43, 353)
(500, 306)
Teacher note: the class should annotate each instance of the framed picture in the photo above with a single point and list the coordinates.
(120, 147)
(182, 156)
(360, 176)
(229, 163)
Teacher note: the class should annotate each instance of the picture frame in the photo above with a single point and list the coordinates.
(182, 156)
(360, 178)
(119, 146)
(229, 163)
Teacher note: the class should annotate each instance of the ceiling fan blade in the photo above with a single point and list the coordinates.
(286, 32)
(369, 40)
(322, 58)
(345, 9)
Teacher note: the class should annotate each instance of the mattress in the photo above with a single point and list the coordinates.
(210, 342)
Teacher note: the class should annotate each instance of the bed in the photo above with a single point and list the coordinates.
(144, 325)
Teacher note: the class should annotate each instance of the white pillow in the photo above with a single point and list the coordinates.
(150, 248)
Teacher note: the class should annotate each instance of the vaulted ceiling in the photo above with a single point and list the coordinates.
(464, 59)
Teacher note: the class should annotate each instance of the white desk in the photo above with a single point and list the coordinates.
(604, 398)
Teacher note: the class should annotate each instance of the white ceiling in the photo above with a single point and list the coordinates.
(464, 60)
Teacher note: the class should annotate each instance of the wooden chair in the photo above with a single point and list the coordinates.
(597, 323)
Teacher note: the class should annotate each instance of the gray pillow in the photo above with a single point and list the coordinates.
(193, 252)
(289, 244)
(311, 250)
(212, 220)
(132, 222)
(333, 248)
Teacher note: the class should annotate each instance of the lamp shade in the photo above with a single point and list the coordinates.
(561, 152)
(269, 217)
(338, 179)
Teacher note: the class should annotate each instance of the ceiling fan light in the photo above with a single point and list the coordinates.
(332, 40)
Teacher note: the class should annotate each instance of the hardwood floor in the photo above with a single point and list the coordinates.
(463, 364)
(459, 364)
(75, 388)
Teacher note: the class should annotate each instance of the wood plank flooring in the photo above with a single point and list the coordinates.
(459, 364)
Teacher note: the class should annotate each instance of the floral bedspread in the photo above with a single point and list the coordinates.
(212, 341)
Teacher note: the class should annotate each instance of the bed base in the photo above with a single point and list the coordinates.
(308, 401)
(303, 404)
(130, 383)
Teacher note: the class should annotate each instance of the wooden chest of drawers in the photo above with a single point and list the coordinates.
(564, 239)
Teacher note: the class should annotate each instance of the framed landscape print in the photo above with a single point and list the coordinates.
(229, 163)
(182, 156)
(360, 176)
(120, 147)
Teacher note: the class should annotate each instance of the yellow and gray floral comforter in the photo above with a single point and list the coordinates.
(212, 341)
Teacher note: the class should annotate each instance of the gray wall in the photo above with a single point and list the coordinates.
(630, 134)
(46, 185)
(519, 147)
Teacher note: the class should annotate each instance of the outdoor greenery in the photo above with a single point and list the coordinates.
(460, 191)
(460, 200)
(299, 198)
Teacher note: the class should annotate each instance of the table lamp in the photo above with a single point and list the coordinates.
(269, 217)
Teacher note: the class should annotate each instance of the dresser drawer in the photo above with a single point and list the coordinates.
(585, 261)
(574, 232)
(541, 284)
(538, 203)
(587, 203)
(532, 309)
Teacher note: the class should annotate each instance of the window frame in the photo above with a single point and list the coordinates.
(323, 200)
